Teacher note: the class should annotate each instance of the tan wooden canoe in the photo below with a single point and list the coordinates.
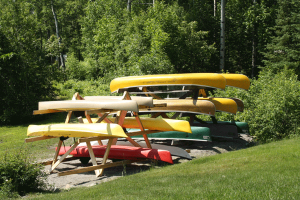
(184, 106)
(239, 103)
(222, 104)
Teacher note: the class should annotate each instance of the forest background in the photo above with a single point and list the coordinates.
(52, 49)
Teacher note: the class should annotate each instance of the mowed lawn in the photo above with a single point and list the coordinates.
(12, 138)
(269, 171)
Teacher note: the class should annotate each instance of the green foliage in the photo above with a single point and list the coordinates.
(247, 34)
(151, 40)
(284, 51)
(271, 105)
(52, 47)
(25, 77)
(65, 90)
(18, 176)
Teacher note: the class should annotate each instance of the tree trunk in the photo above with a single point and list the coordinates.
(254, 43)
(62, 61)
(215, 7)
(129, 5)
(222, 36)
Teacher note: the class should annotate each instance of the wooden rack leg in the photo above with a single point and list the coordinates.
(133, 142)
(68, 118)
(56, 152)
(142, 129)
(106, 155)
(87, 169)
(63, 157)
(92, 155)
(115, 141)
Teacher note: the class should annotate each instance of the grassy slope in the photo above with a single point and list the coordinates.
(12, 138)
(270, 171)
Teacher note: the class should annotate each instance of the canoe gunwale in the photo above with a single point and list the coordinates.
(121, 90)
(176, 111)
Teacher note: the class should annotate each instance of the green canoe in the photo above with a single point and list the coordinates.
(198, 134)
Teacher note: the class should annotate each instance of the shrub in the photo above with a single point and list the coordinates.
(271, 105)
(18, 176)
(65, 90)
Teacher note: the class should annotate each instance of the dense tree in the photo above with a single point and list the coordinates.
(284, 50)
(25, 77)
(247, 24)
(104, 39)
(156, 39)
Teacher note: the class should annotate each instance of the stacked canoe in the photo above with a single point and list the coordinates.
(103, 128)
(113, 133)
(190, 91)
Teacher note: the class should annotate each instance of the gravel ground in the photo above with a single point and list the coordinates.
(195, 149)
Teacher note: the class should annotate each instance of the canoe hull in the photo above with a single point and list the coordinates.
(175, 151)
(222, 104)
(183, 105)
(237, 80)
(83, 105)
(220, 130)
(203, 80)
(198, 134)
(242, 127)
(154, 124)
(77, 130)
(200, 80)
(143, 101)
(121, 152)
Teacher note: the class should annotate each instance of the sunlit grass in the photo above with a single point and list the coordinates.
(269, 171)
(12, 138)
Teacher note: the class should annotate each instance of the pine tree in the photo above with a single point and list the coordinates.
(284, 50)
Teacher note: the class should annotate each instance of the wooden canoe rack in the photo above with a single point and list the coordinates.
(102, 113)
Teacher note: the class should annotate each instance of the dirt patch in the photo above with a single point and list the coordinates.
(195, 149)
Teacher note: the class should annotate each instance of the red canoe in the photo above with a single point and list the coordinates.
(121, 152)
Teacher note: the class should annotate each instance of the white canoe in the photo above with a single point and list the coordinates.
(141, 101)
(83, 105)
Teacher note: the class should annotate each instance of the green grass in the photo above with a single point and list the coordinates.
(12, 138)
(269, 171)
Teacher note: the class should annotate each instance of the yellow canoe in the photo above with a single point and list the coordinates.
(237, 80)
(77, 130)
(183, 105)
(222, 104)
(202, 80)
(159, 124)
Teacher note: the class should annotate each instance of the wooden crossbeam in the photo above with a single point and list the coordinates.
(40, 112)
(92, 168)
(56, 163)
(33, 139)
